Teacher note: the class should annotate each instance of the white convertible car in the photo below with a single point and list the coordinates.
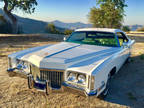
(83, 64)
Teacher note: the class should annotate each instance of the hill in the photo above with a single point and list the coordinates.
(135, 27)
(71, 25)
(31, 25)
(36, 26)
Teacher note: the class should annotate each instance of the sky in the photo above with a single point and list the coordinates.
(77, 11)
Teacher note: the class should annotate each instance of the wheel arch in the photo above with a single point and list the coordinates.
(113, 71)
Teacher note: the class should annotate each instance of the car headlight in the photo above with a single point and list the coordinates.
(72, 77)
(20, 64)
(81, 79)
(23, 65)
(76, 78)
(12, 62)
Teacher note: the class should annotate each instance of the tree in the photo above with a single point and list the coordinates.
(107, 14)
(50, 28)
(119, 4)
(68, 32)
(27, 6)
(126, 28)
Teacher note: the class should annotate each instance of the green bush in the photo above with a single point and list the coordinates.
(126, 28)
(50, 28)
(68, 32)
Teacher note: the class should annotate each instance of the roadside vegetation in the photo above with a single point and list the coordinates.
(126, 28)
(50, 28)
(68, 32)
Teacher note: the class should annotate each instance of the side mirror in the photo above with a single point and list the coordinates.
(64, 38)
(125, 44)
(132, 42)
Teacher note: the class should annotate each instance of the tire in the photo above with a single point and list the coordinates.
(30, 82)
(106, 90)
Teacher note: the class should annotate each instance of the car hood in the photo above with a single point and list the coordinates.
(68, 55)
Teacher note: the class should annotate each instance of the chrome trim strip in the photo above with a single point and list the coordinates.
(51, 70)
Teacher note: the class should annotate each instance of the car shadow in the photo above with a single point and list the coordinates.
(127, 86)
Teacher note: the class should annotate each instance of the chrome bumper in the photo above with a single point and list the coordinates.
(64, 88)
(18, 71)
(74, 91)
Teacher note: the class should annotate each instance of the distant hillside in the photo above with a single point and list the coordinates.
(135, 27)
(71, 25)
(32, 26)
(36, 26)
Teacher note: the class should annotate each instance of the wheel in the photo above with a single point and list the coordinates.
(106, 90)
(30, 81)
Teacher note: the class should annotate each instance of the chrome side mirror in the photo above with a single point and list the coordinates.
(125, 44)
(64, 38)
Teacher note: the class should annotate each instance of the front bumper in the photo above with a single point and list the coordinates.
(41, 86)
(74, 91)
(18, 71)
(64, 88)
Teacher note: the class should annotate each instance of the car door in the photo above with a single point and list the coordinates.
(125, 47)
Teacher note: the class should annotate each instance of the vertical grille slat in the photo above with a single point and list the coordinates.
(56, 77)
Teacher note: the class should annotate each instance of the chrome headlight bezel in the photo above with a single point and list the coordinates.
(76, 77)
(19, 64)
(72, 77)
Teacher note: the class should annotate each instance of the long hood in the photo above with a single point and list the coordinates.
(67, 55)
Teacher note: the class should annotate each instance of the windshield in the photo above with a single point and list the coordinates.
(94, 38)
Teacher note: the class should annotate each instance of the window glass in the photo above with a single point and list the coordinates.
(122, 38)
(94, 38)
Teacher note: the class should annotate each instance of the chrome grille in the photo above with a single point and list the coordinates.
(54, 76)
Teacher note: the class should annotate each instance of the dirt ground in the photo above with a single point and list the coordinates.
(127, 87)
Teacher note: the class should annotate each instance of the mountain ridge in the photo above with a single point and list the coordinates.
(29, 25)
(37, 26)
(74, 25)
